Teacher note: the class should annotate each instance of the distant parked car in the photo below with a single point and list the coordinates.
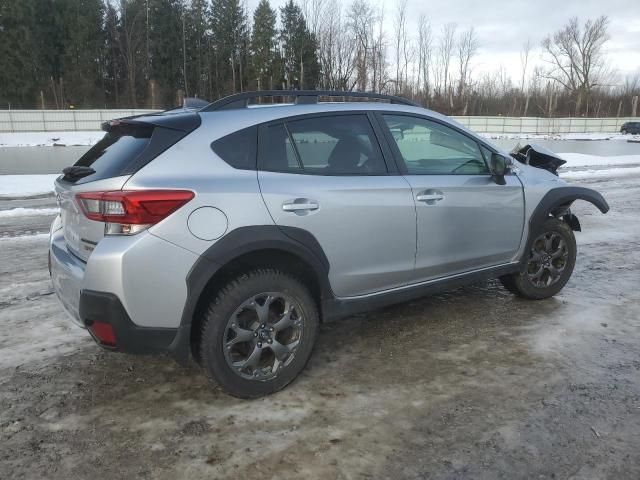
(630, 127)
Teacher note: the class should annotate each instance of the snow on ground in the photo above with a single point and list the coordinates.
(49, 139)
(583, 160)
(26, 185)
(600, 173)
(25, 238)
(563, 136)
(27, 212)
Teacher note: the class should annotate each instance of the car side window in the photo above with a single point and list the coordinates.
(276, 150)
(238, 149)
(325, 145)
(430, 148)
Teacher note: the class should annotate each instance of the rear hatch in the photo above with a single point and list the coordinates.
(128, 145)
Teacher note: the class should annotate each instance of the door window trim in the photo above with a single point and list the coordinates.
(378, 137)
(397, 156)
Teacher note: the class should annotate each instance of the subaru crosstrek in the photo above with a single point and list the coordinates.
(227, 232)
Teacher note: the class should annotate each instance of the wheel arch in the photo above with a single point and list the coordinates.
(556, 203)
(267, 246)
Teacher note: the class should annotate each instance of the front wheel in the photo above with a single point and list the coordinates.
(549, 265)
(258, 333)
(623, 131)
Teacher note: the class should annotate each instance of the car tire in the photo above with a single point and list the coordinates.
(623, 131)
(550, 264)
(265, 311)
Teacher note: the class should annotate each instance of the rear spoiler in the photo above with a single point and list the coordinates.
(181, 120)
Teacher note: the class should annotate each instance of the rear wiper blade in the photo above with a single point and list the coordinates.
(76, 172)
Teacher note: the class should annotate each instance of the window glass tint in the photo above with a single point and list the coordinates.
(487, 154)
(429, 148)
(238, 149)
(277, 152)
(117, 150)
(327, 145)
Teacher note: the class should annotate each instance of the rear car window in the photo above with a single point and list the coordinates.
(325, 145)
(238, 149)
(116, 152)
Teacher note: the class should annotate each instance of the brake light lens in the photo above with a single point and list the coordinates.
(128, 212)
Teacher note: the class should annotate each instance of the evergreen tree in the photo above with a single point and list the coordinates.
(197, 46)
(82, 41)
(17, 45)
(229, 42)
(165, 54)
(299, 49)
(264, 47)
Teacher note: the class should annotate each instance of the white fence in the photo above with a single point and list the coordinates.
(70, 120)
(543, 126)
(59, 120)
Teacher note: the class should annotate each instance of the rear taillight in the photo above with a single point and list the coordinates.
(129, 212)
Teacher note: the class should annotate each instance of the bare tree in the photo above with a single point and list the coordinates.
(400, 37)
(575, 58)
(360, 22)
(467, 48)
(379, 54)
(445, 52)
(424, 57)
(524, 61)
(335, 45)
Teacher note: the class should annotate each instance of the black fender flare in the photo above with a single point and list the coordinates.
(234, 244)
(550, 205)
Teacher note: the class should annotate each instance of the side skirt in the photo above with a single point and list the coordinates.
(337, 308)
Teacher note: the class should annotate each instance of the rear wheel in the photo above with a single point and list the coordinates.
(549, 265)
(258, 333)
(623, 131)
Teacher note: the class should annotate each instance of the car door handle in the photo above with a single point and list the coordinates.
(430, 197)
(299, 205)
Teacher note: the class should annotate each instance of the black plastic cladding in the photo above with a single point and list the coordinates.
(561, 196)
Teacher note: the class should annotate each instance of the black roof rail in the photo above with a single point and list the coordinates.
(241, 100)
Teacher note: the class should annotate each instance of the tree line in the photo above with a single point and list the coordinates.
(153, 53)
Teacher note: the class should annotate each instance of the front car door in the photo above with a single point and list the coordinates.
(465, 221)
(326, 174)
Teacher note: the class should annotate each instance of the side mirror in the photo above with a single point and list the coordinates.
(498, 168)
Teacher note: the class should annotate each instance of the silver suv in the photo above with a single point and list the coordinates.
(228, 232)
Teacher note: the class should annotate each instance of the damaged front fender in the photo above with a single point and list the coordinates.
(538, 157)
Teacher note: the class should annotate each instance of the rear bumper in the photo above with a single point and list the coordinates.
(130, 338)
(75, 285)
(67, 273)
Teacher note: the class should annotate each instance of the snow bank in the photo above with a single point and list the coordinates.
(25, 238)
(28, 212)
(601, 173)
(583, 160)
(563, 136)
(26, 185)
(610, 167)
(49, 139)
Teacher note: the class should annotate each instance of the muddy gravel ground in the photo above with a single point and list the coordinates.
(474, 383)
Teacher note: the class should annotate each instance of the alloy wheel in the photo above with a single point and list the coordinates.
(262, 335)
(547, 259)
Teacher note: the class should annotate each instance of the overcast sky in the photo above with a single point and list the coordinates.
(502, 26)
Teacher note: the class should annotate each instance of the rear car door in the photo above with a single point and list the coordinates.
(465, 220)
(326, 174)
